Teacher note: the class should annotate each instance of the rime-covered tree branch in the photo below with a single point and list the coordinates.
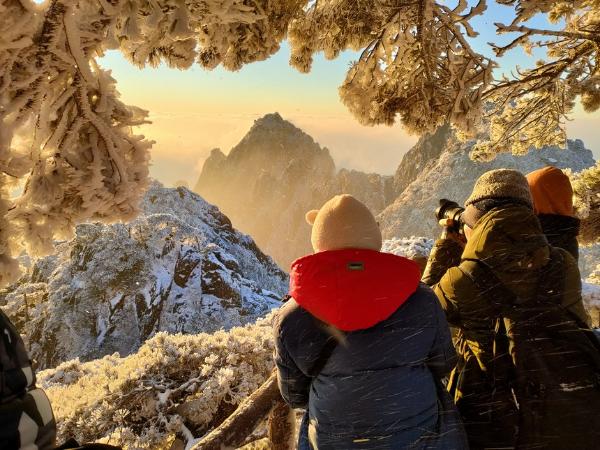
(415, 64)
(65, 137)
(66, 140)
(530, 108)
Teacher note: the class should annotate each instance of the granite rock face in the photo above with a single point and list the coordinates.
(179, 267)
(274, 176)
(452, 175)
(277, 173)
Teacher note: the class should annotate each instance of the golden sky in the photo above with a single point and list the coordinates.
(194, 111)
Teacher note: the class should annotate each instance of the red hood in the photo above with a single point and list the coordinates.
(353, 289)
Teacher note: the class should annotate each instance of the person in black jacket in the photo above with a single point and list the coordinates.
(553, 204)
(362, 344)
(26, 418)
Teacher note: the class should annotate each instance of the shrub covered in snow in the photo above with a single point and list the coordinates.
(174, 386)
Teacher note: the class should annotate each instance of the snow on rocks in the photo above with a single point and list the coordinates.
(414, 248)
(411, 248)
(452, 175)
(591, 295)
(179, 267)
(590, 291)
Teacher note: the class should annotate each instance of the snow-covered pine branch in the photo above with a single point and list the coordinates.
(64, 133)
(415, 65)
(586, 187)
(175, 387)
(66, 138)
(531, 107)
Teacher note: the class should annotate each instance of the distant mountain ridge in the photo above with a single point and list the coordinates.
(273, 176)
(277, 173)
(452, 175)
(179, 267)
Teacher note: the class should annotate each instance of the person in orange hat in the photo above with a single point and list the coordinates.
(553, 204)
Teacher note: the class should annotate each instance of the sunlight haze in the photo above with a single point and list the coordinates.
(194, 111)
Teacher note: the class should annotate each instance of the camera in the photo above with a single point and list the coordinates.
(451, 210)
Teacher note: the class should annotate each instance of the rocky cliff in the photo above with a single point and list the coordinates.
(179, 267)
(273, 176)
(452, 175)
(277, 173)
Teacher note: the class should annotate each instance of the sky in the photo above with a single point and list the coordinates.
(195, 110)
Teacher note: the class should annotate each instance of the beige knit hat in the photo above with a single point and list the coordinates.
(501, 184)
(343, 222)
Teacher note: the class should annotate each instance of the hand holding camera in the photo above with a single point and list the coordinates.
(448, 215)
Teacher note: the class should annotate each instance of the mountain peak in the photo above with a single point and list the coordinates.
(272, 177)
(274, 132)
(270, 119)
(179, 267)
(271, 142)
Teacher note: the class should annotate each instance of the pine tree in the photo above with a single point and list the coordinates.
(66, 139)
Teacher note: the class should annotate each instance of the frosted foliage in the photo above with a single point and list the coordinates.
(589, 259)
(63, 131)
(415, 62)
(530, 107)
(148, 398)
(210, 32)
(590, 290)
(586, 186)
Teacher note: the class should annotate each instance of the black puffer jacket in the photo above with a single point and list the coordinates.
(26, 418)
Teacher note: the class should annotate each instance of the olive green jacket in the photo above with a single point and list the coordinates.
(486, 384)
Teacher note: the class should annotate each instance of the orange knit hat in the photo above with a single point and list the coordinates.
(551, 191)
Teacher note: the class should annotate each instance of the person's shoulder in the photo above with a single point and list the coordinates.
(424, 298)
(424, 294)
(562, 256)
(564, 263)
(291, 316)
(423, 302)
(459, 279)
